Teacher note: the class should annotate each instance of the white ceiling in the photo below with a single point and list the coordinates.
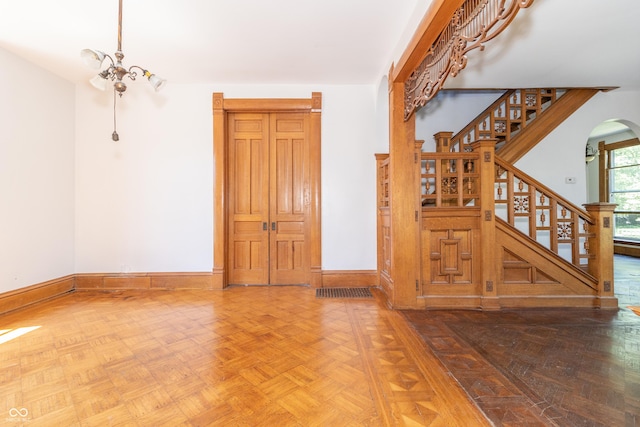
(570, 43)
(223, 41)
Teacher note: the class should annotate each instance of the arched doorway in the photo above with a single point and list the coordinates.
(612, 156)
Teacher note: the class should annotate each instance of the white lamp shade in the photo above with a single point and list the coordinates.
(99, 82)
(156, 82)
(92, 58)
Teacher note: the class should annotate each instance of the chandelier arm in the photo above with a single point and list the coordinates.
(113, 63)
(132, 74)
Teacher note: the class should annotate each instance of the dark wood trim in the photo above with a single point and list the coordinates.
(144, 281)
(349, 278)
(604, 163)
(622, 144)
(626, 248)
(18, 298)
(33, 294)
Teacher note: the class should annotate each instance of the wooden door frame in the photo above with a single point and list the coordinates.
(221, 108)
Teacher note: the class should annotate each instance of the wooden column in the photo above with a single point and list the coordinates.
(315, 138)
(219, 195)
(490, 260)
(404, 203)
(382, 216)
(601, 249)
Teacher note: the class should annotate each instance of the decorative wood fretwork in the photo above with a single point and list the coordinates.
(475, 23)
(383, 181)
(542, 215)
(449, 179)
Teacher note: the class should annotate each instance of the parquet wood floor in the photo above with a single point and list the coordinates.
(570, 368)
(260, 356)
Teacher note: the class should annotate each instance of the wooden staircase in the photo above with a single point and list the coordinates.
(520, 119)
(492, 237)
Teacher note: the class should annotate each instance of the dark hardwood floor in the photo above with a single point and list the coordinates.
(555, 367)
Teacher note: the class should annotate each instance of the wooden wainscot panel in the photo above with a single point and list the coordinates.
(126, 281)
(531, 277)
(89, 281)
(349, 278)
(145, 281)
(182, 281)
(22, 297)
(450, 258)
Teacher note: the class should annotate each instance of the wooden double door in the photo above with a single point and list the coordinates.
(268, 198)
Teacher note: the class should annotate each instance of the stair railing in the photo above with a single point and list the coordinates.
(452, 179)
(449, 179)
(506, 117)
(542, 214)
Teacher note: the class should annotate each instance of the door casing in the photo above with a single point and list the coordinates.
(221, 108)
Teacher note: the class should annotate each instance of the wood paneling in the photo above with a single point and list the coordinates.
(450, 254)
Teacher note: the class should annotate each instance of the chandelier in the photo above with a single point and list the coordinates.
(116, 71)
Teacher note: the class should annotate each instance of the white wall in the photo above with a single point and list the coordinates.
(36, 174)
(450, 111)
(145, 203)
(561, 153)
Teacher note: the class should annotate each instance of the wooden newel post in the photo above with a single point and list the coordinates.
(490, 260)
(601, 251)
(443, 140)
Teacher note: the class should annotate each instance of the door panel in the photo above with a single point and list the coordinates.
(268, 198)
(289, 207)
(248, 198)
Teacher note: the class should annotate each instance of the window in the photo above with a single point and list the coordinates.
(624, 188)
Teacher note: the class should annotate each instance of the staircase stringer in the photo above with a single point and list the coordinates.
(546, 122)
(506, 117)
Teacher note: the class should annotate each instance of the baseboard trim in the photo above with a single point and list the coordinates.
(23, 297)
(349, 278)
(626, 249)
(112, 281)
(18, 298)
